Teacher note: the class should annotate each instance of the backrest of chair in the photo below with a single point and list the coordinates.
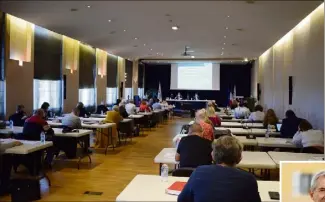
(31, 131)
(183, 172)
(220, 132)
(126, 127)
(185, 129)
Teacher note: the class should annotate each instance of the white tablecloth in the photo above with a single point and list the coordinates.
(151, 188)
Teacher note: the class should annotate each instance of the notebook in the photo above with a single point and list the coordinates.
(176, 188)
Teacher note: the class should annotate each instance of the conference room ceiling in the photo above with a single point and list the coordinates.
(143, 29)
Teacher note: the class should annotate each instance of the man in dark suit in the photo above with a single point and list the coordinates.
(19, 117)
(290, 125)
(222, 181)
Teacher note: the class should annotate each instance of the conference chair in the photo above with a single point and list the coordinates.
(185, 129)
(125, 130)
(183, 172)
(219, 133)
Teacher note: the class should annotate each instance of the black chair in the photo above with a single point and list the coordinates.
(183, 172)
(312, 150)
(125, 130)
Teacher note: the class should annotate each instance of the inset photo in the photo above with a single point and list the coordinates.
(302, 181)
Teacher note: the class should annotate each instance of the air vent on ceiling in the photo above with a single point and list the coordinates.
(135, 46)
(73, 9)
(240, 29)
(234, 44)
(112, 32)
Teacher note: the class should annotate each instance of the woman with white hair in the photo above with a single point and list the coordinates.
(111, 117)
(202, 119)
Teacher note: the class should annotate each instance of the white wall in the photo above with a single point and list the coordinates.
(299, 54)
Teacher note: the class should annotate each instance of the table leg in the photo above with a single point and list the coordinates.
(160, 164)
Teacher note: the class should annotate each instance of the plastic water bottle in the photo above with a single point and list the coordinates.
(43, 137)
(11, 125)
(164, 173)
(102, 113)
(268, 130)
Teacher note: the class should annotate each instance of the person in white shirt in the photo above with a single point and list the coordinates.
(242, 111)
(306, 136)
(258, 115)
(72, 120)
(130, 107)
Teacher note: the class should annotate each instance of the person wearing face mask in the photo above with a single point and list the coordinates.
(19, 117)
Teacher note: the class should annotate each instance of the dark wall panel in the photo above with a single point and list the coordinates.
(140, 75)
(47, 55)
(2, 44)
(230, 75)
(87, 67)
(129, 73)
(111, 71)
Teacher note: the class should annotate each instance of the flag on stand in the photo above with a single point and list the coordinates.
(159, 92)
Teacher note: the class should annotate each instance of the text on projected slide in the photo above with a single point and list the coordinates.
(198, 77)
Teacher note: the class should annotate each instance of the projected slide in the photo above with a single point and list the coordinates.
(195, 76)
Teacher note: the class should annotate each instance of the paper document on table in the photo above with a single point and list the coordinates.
(169, 155)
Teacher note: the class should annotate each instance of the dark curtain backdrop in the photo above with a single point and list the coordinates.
(47, 54)
(230, 75)
(111, 71)
(87, 66)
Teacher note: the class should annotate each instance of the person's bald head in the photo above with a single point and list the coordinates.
(195, 129)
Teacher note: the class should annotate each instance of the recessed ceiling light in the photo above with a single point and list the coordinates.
(246, 60)
(88, 6)
(175, 27)
(222, 53)
(124, 30)
(144, 44)
(224, 43)
(192, 56)
(109, 20)
(157, 53)
(228, 16)
(226, 27)
(151, 49)
(223, 48)
(135, 38)
(225, 36)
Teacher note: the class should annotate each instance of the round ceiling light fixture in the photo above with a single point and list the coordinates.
(175, 28)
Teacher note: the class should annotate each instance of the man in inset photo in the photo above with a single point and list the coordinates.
(317, 187)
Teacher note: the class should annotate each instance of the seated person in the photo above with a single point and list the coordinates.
(35, 125)
(258, 115)
(156, 105)
(144, 107)
(5, 166)
(45, 106)
(215, 106)
(290, 124)
(122, 109)
(82, 110)
(306, 136)
(130, 107)
(19, 117)
(242, 112)
(223, 181)
(72, 120)
(113, 116)
(102, 108)
(270, 118)
(189, 157)
(211, 113)
(202, 119)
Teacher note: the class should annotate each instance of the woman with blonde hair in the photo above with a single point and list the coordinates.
(270, 118)
(207, 126)
(211, 114)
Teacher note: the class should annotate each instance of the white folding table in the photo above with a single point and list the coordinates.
(252, 131)
(150, 188)
(277, 157)
(275, 142)
(241, 125)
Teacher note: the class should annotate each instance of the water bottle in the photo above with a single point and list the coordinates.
(267, 134)
(164, 173)
(43, 137)
(102, 113)
(11, 125)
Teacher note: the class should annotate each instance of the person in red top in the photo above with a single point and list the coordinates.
(144, 107)
(211, 113)
(202, 119)
(35, 125)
